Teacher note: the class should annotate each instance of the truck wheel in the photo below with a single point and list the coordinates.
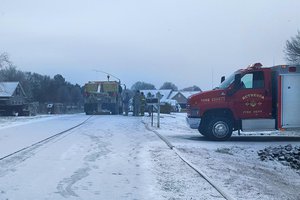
(203, 132)
(219, 129)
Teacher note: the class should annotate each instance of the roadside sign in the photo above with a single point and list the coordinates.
(152, 101)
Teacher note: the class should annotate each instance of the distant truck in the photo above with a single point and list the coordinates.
(102, 97)
(251, 99)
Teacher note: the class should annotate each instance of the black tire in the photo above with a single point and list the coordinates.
(203, 131)
(219, 129)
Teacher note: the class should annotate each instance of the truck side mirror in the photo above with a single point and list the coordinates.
(222, 79)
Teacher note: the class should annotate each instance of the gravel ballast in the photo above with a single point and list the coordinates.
(287, 155)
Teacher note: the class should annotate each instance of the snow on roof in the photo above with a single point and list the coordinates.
(165, 93)
(173, 94)
(7, 89)
(187, 94)
(169, 94)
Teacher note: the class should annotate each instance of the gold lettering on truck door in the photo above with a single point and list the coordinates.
(253, 102)
(247, 96)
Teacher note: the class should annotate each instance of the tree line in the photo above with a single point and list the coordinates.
(166, 86)
(41, 88)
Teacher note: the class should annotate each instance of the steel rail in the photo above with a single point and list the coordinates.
(195, 168)
(45, 140)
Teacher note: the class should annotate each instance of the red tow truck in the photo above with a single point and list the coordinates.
(253, 99)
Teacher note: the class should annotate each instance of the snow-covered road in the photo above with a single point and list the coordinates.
(15, 135)
(117, 157)
(109, 157)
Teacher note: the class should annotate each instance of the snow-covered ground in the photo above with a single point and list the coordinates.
(116, 157)
(15, 121)
(234, 164)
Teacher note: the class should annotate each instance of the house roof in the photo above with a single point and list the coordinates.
(165, 93)
(169, 94)
(173, 94)
(7, 89)
(186, 94)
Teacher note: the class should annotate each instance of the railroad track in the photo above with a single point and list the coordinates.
(44, 140)
(190, 164)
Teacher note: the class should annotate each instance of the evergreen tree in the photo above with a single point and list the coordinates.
(192, 88)
(142, 86)
(169, 86)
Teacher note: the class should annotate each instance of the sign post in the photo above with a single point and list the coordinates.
(154, 102)
(158, 95)
(151, 115)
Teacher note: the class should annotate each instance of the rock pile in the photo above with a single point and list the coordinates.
(287, 155)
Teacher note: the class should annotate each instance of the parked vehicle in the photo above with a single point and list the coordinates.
(102, 97)
(251, 99)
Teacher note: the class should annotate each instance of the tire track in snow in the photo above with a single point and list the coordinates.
(65, 186)
(99, 148)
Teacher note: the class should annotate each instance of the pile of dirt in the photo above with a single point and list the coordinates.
(287, 155)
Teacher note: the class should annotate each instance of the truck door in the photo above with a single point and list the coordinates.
(290, 101)
(254, 99)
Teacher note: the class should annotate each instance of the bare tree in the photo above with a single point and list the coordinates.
(4, 60)
(292, 49)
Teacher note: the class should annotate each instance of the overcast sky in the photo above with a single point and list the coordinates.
(187, 42)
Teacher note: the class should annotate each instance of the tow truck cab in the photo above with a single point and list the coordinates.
(251, 99)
